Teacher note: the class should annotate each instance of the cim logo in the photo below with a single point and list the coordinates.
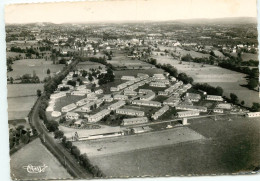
(30, 168)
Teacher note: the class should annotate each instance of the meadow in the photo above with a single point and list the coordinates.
(230, 147)
(20, 99)
(36, 154)
(249, 56)
(39, 66)
(229, 80)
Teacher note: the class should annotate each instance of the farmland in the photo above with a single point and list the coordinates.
(21, 98)
(28, 66)
(227, 150)
(37, 155)
(229, 80)
(131, 143)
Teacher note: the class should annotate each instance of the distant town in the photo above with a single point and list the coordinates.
(98, 94)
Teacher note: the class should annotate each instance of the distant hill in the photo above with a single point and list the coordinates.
(235, 20)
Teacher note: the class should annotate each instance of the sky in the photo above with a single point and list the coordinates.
(128, 10)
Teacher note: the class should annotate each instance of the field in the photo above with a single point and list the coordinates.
(121, 61)
(249, 56)
(21, 98)
(27, 66)
(89, 65)
(37, 155)
(14, 54)
(113, 146)
(231, 147)
(229, 80)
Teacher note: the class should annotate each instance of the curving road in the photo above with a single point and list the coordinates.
(57, 149)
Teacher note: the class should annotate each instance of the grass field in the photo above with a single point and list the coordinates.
(89, 65)
(114, 146)
(21, 98)
(229, 80)
(249, 56)
(37, 155)
(14, 54)
(232, 147)
(27, 66)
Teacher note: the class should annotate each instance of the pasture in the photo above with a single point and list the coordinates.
(232, 147)
(37, 155)
(229, 80)
(28, 66)
(20, 99)
(249, 56)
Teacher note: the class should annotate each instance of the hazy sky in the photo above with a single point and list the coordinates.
(116, 10)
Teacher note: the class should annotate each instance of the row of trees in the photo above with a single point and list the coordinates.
(209, 89)
(82, 158)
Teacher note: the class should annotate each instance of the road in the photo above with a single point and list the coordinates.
(58, 150)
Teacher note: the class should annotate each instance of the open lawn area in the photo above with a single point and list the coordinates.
(27, 66)
(37, 155)
(249, 56)
(232, 147)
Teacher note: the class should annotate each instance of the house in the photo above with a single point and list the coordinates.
(160, 112)
(214, 98)
(224, 106)
(158, 76)
(88, 107)
(162, 93)
(99, 91)
(141, 129)
(98, 116)
(107, 98)
(147, 103)
(193, 97)
(218, 110)
(127, 77)
(130, 93)
(187, 114)
(58, 95)
(133, 121)
(130, 112)
(68, 107)
(82, 102)
(253, 114)
(192, 108)
(56, 114)
(72, 115)
(114, 89)
(120, 97)
(172, 101)
(116, 105)
(157, 84)
(144, 91)
(79, 93)
(147, 97)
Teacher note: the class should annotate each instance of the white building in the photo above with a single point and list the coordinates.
(99, 91)
(160, 112)
(253, 114)
(147, 97)
(193, 97)
(120, 97)
(132, 121)
(147, 103)
(157, 84)
(214, 98)
(158, 76)
(162, 93)
(141, 129)
(72, 115)
(82, 102)
(192, 108)
(130, 93)
(224, 106)
(187, 114)
(98, 116)
(58, 95)
(68, 107)
(107, 98)
(116, 105)
(56, 114)
(130, 112)
(218, 110)
(127, 77)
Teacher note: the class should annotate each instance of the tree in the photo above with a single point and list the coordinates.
(58, 134)
(39, 93)
(242, 103)
(90, 78)
(233, 98)
(52, 126)
(11, 80)
(253, 83)
(255, 107)
(48, 71)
